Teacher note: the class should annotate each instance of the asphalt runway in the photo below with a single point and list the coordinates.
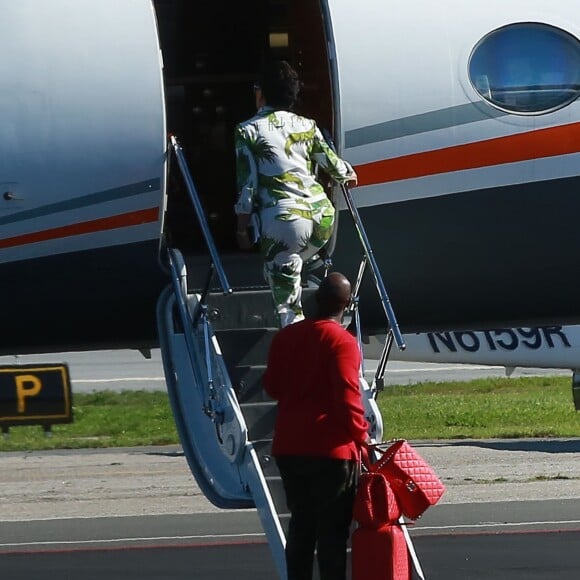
(510, 511)
(515, 557)
(518, 552)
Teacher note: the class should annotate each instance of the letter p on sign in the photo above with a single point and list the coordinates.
(26, 386)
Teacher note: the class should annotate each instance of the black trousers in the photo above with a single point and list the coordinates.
(320, 494)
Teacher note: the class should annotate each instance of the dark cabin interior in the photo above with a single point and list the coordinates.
(213, 52)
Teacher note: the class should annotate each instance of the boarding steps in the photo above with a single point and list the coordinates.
(214, 349)
(214, 355)
(245, 342)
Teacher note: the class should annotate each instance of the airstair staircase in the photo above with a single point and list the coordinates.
(214, 348)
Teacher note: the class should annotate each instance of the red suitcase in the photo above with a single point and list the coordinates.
(380, 554)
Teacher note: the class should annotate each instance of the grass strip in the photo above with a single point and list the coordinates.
(103, 419)
(480, 409)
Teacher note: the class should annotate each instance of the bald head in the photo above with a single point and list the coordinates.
(333, 295)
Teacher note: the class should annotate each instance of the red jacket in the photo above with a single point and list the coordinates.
(313, 373)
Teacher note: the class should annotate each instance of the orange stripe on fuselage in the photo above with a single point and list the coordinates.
(549, 142)
(133, 218)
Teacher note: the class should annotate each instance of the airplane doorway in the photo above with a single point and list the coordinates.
(213, 52)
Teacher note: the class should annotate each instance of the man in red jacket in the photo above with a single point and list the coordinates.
(313, 373)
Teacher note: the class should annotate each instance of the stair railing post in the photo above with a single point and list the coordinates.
(210, 409)
(379, 382)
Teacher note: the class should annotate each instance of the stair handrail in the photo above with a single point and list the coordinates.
(179, 281)
(370, 259)
(194, 197)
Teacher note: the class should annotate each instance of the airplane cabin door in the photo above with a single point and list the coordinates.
(309, 53)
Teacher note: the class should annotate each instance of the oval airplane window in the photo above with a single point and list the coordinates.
(527, 68)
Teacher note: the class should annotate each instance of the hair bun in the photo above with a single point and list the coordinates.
(280, 85)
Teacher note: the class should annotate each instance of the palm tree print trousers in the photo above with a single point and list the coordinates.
(291, 233)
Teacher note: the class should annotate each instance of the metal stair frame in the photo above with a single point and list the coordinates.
(208, 416)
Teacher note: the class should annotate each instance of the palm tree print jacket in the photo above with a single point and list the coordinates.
(276, 153)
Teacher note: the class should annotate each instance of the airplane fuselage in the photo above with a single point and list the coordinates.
(463, 124)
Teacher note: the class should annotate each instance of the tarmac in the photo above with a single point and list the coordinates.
(157, 481)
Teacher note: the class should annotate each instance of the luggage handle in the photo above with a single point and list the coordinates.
(412, 553)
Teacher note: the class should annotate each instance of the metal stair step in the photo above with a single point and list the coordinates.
(244, 339)
(284, 522)
(260, 419)
(244, 269)
(245, 347)
(250, 308)
(263, 448)
(242, 309)
(247, 383)
(276, 488)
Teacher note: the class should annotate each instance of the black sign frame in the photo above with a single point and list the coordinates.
(35, 394)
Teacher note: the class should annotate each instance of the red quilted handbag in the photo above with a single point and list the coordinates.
(414, 483)
(375, 504)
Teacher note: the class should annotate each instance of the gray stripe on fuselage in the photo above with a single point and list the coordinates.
(85, 200)
(422, 123)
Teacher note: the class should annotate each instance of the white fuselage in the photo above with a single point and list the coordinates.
(470, 207)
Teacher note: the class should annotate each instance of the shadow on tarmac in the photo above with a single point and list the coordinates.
(536, 445)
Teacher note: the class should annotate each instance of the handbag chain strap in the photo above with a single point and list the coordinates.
(386, 458)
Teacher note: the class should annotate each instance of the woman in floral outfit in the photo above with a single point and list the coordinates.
(277, 152)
